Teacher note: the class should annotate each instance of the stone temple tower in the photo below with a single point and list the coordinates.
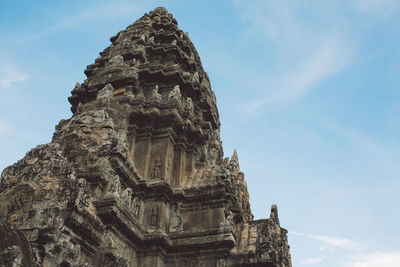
(136, 177)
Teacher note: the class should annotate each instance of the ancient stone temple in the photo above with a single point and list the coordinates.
(136, 177)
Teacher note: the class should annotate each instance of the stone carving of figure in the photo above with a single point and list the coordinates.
(169, 166)
(107, 91)
(176, 221)
(228, 218)
(126, 197)
(157, 18)
(11, 256)
(154, 94)
(46, 192)
(106, 256)
(274, 214)
(265, 251)
(156, 170)
(83, 196)
(151, 40)
(77, 87)
(114, 185)
(221, 263)
(175, 94)
(111, 260)
(136, 206)
(195, 78)
(153, 220)
(139, 94)
(234, 161)
(48, 216)
(189, 104)
(23, 197)
(13, 219)
(73, 252)
(117, 59)
(79, 108)
(17, 202)
(66, 191)
(204, 83)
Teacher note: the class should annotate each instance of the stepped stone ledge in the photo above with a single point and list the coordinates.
(136, 177)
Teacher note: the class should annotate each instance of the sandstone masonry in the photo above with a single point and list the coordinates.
(136, 177)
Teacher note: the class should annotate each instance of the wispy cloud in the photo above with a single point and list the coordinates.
(274, 19)
(337, 242)
(334, 242)
(381, 259)
(321, 50)
(5, 129)
(355, 256)
(103, 11)
(357, 137)
(331, 57)
(95, 13)
(9, 75)
(378, 7)
(312, 260)
(375, 152)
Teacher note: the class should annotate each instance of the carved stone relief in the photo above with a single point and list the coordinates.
(176, 222)
(221, 263)
(126, 197)
(175, 94)
(83, 194)
(156, 169)
(189, 104)
(154, 217)
(136, 206)
(22, 197)
(154, 94)
(114, 185)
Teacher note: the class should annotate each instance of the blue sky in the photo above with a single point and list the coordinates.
(307, 92)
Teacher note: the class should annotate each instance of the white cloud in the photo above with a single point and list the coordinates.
(381, 259)
(332, 242)
(9, 75)
(273, 18)
(376, 153)
(336, 242)
(355, 256)
(103, 11)
(321, 50)
(312, 260)
(365, 143)
(95, 13)
(378, 7)
(360, 139)
(331, 57)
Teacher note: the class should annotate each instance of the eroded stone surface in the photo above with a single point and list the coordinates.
(136, 177)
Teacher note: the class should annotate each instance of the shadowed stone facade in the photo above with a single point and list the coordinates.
(136, 177)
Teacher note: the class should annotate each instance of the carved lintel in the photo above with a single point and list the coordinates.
(112, 211)
(129, 176)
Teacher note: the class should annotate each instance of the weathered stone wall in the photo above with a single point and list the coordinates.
(136, 177)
